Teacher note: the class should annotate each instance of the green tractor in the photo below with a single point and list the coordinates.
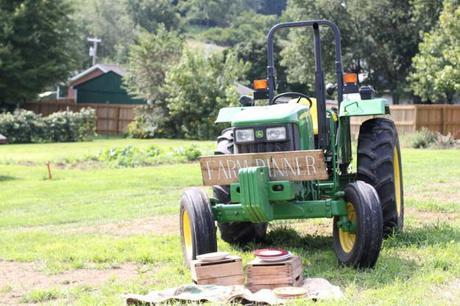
(291, 159)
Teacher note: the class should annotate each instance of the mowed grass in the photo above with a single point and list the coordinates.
(105, 218)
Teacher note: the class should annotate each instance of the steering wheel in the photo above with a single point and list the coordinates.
(292, 94)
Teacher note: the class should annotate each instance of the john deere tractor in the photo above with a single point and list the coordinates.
(291, 159)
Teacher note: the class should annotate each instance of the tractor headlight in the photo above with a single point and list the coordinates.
(276, 133)
(246, 135)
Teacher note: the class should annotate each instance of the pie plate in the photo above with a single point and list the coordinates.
(276, 258)
(215, 256)
(270, 252)
(290, 292)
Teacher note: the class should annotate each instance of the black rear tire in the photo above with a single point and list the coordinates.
(234, 232)
(197, 227)
(360, 249)
(379, 164)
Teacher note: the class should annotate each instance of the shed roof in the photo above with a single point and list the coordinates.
(102, 67)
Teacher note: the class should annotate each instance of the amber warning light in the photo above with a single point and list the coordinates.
(260, 84)
(350, 78)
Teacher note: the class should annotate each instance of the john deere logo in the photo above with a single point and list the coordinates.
(259, 134)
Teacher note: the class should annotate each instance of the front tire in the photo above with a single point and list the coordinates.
(197, 227)
(361, 248)
(379, 164)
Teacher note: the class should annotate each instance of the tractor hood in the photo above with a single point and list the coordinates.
(261, 115)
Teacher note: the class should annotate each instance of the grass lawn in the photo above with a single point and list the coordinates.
(90, 235)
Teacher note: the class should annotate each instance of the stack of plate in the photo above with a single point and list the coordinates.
(290, 292)
(211, 257)
(272, 254)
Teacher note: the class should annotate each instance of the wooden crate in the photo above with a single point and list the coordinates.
(270, 275)
(225, 272)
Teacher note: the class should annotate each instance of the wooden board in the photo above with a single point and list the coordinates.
(283, 166)
(228, 271)
(270, 275)
(222, 281)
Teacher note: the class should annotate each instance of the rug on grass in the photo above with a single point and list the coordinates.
(317, 289)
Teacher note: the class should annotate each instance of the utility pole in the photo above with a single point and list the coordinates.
(93, 49)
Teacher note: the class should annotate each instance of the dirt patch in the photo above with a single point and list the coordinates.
(318, 227)
(445, 192)
(160, 225)
(428, 217)
(19, 278)
(449, 293)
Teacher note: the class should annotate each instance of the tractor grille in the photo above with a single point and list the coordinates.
(291, 144)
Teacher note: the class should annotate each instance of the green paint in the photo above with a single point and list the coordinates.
(277, 191)
(106, 88)
(350, 108)
(265, 115)
(284, 210)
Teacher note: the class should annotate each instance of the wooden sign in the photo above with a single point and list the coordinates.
(282, 166)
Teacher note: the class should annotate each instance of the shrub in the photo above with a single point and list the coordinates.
(426, 138)
(423, 139)
(145, 123)
(71, 126)
(27, 127)
(130, 156)
(22, 126)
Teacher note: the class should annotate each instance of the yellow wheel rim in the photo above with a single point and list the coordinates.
(347, 239)
(187, 232)
(397, 180)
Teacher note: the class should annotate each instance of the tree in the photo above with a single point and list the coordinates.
(149, 14)
(108, 21)
(212, 12)
(37, 49)
(436, 74)
(149, 60)
(378, 37)
(246, 27)
(197, 88)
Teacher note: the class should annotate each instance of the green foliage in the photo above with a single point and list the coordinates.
(423, 139)
(378, 37)
(37, 47)
(248, 26)
(212, 12)
(149, 14)
(26, 127)
(197, 88)
(436, 75)
(70, 126)
(149, 60)
(254, 54)
(108, 21)
(130, 156)
(147, 118)
(41, 296)
(22, 126)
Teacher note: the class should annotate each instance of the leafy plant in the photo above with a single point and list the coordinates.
(130, 156)
(426, 138)
(27, 127)
(423, 139)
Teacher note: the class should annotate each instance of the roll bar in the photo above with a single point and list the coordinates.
(319, 74)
